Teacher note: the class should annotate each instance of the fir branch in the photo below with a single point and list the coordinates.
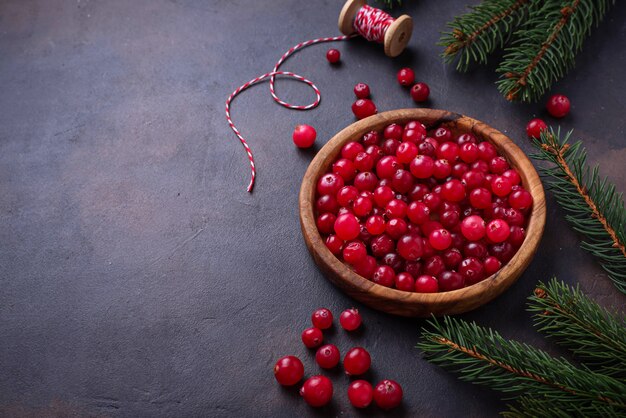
(478, 33)
(482, 356)
(546, 45)
(533, 407)
(593, 334)
(593, 206)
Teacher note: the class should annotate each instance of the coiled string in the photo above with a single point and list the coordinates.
(371, 23)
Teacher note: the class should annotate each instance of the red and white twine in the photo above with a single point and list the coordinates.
(370, 23)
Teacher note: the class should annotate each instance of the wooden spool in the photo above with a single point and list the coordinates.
(397, 35)
(409, 303)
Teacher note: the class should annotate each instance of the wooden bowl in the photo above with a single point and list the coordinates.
(409, 303)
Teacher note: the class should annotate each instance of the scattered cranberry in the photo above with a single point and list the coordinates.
(322, 318)
(327, 356)
(360, 393)
(420, 92)
(317, 391)
(312, 337)
(535, 127)
(558, 105)
(288, 370)
(357, 361)
(363, 108)
(333, 56)
(304, 136)
(350, 319)
(406, 77)
(362, 91)
(388, 394)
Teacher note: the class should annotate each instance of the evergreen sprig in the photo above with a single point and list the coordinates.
(594, 335)
(537, 380)
(477, 34)
(546, 45)
(593, 206)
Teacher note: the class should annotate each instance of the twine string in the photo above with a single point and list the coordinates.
(370, 23)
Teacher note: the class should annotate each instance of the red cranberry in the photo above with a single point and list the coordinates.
(501, 186)
(322, 318)
(434, 265)
(486, 151)
(312, 337)
(366, 180)
(414, 268)
(535, 127)
(350, 319)
(381, 245)
(387, 167)
(469, 152)
(364, 161)
(516, 238)
(472, 270)
(513, 176)
(371, 138)
(390, 146)
(440, 239)
(325, 223)
(426, 284)
(384, 276)
(317, 391)
(362, 206)
(375, 225)
(347, 227)
(442, 169)
(498, 230)
(396, 208)
(366, 267)
(326, 203)
(393, 131)
(420, 92)
(426, 148)
(388, 394)
(410, 247)
(465, 138)
(406, 77)
(396, 228)
(288, 370)
(450, 280)
(432, 200)
(304, 136)
(360, 393)
(347, 195)
(491, 265)
(363, 108)
(453, 191)
(334, 244)
(498, 165)
(415, 135)
(383, 195)
(362, 91)
(329, 183)
(405, 282)
(503, 251)
(514, 217)
(354, 252)
(481, 166)
(357, 361)
(521, 200)
(394, 261)
(406, 152)
(451, 258)
(442, 135)
(475, 249)
(473, 227)
(402, 181)
(327, 356)
(333, 56)
(480, 198)
(448, 151)
(558, 105)
(473, 179)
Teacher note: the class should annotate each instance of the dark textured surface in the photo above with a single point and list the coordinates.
(138, 278)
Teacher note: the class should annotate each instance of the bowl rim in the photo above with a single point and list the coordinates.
(499, 281)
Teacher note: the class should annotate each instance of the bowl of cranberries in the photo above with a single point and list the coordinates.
(418, 212)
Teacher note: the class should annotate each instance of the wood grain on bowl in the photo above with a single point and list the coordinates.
(409, 303)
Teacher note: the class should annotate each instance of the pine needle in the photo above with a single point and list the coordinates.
(593, 206)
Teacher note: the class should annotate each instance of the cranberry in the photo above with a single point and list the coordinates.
(406, 152)
(354, 252)
(491, 265)
(396, 208)
(288, 370)
(317, 391)
(325, 223)
(364, 161)
(558, 105)
(501, 186)
(442, 169)
(434, 265)
(451, 258)
(498, 230)
(498, 165)
(366, 267)
(384, 276)
(393, 131)
(329, 184)
(486, 151)
(442, 134)
(396, 228)
(366, 180)
(473, 179)
(327, 356)
(388, 394)
(350, 319)
(432, 200)
(473, 227)
(422, 166)
(406, 77)
(469, 152)
(430, 226)
(387, 167)
(426, 148)
(312, 337)
(513, 176)
(420, 92)
(405, 282)
(472, 270)
(357, 361)
(414, 268)
(453, 190)
(371, 138)
(363, 108)
(360, 393)
(394, 261)
(426, 284)
(334, 244)
(410, 247)
(375, 225)
(333, 56)
(521, 200)
(362, 206)
(480, 198)
(440, 239)
(481, 166)
(381, 245)
(516, 238)
(326, 203)
(415, 135)
(347, 227)
(322, 318)
(347, 195)
(418, 213)
(448, 151)
(402, 181)
(514, 217)
(362, 91)
(535, 127)
(304, 136)
(383, 195)
(503, 251)
(450, 280)
(475, 249)
(466, 138)
(390, 146)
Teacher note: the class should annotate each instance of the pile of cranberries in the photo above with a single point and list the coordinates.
(422, 211)
(318, 390)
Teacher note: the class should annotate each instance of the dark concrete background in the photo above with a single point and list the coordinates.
(138, 278)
